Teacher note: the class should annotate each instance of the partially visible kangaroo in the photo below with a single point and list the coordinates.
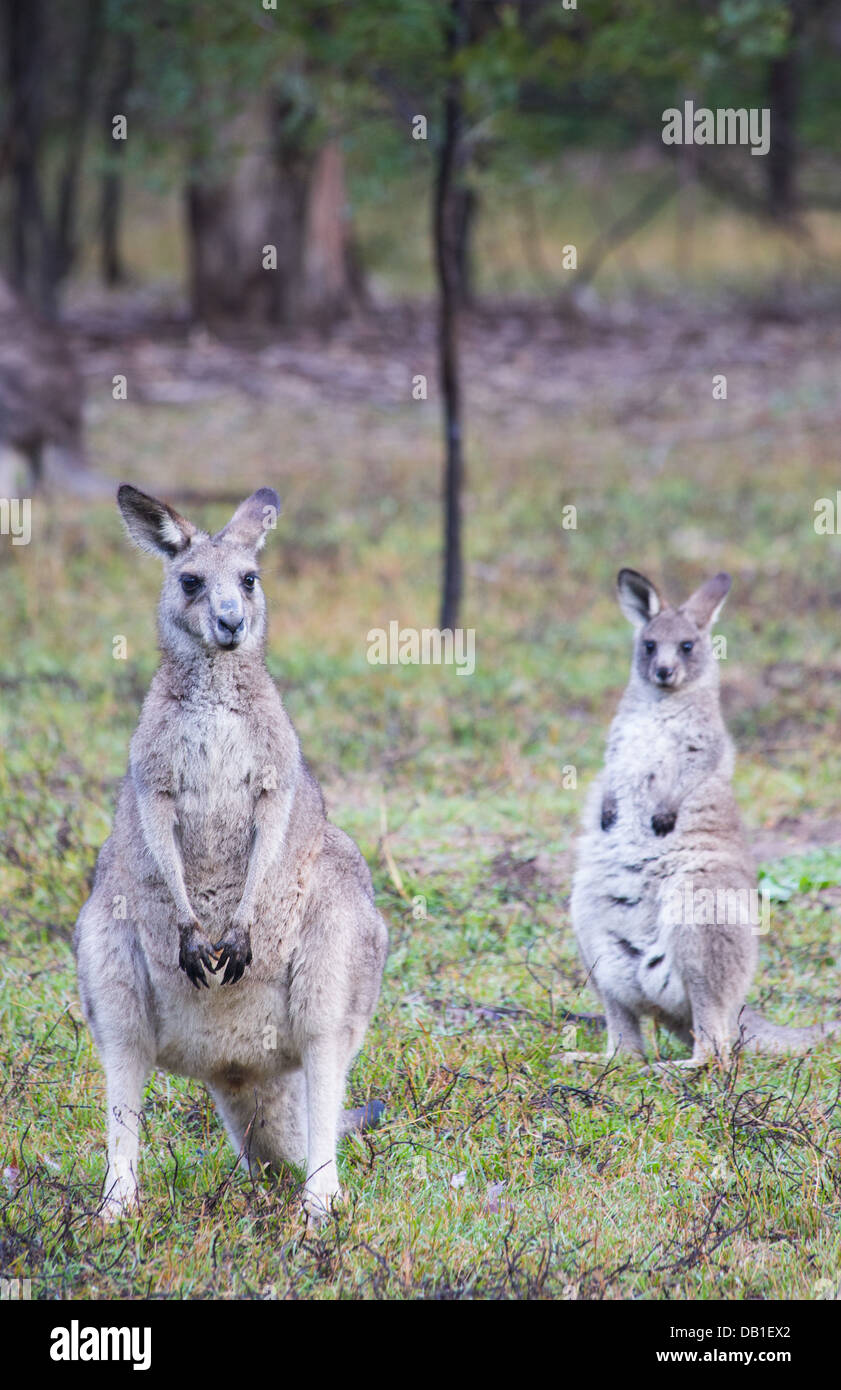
(231, 934)
(664, 896)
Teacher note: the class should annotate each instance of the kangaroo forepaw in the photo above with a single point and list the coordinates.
(195, 955)
(663, 822)
(233, 954)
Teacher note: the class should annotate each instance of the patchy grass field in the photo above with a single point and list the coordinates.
(501, 1171)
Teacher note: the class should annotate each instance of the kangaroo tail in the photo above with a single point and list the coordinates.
(361, 1120)
(758, 1035)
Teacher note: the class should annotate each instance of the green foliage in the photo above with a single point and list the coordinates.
(801, 874)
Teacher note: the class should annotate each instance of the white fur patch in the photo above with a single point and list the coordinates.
(170, 533)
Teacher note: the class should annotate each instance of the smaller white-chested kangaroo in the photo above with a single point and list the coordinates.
(231, 934)
(664, 901)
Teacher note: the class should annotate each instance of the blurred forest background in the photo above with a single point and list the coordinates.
(554, 382)
(264, 171)
(293, 125)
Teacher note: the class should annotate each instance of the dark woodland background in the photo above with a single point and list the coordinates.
(156, 153)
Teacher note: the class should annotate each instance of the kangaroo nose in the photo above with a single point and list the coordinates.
(229, 613)
(230, 630)
(665, 673)
(230, 622)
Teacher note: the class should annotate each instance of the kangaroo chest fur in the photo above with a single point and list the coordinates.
(657, 752)
(216, 781)
(215, 762)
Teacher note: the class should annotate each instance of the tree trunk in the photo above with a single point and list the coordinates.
(448, 224)
(42, 249)
(328, 266)
(466, 209)
(111, 206)
(24, 42)
(275, 192)
(62, 244)
(782, 195)
(111, 190)
(783, 99)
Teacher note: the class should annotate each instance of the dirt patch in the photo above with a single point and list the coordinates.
(634, 368)
(520, 876)
(795, 835)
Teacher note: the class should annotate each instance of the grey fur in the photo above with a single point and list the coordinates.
(661, 828)
(251, 952)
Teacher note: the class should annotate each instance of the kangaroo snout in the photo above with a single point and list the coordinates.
(228, 624)
(227, 636)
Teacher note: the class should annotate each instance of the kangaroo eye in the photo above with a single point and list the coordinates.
(249, 580)
(650, 646)
(687, 646)
(190, 583)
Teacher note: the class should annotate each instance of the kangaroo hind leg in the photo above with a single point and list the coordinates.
(623, 1028)
(267, 1124)
(125, 1078)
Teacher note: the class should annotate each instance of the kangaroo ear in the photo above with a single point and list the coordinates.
(153, 525)
(638, 598)
(253, 519)
(704, 606)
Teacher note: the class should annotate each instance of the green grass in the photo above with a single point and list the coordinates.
(501, 1171)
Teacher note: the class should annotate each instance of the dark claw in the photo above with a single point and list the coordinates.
(233, 955)
(233, 967)
(663, 822)
(194, 957)
(194, 971)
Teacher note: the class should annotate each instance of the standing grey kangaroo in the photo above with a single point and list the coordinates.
(664, 902)
(231, 934)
